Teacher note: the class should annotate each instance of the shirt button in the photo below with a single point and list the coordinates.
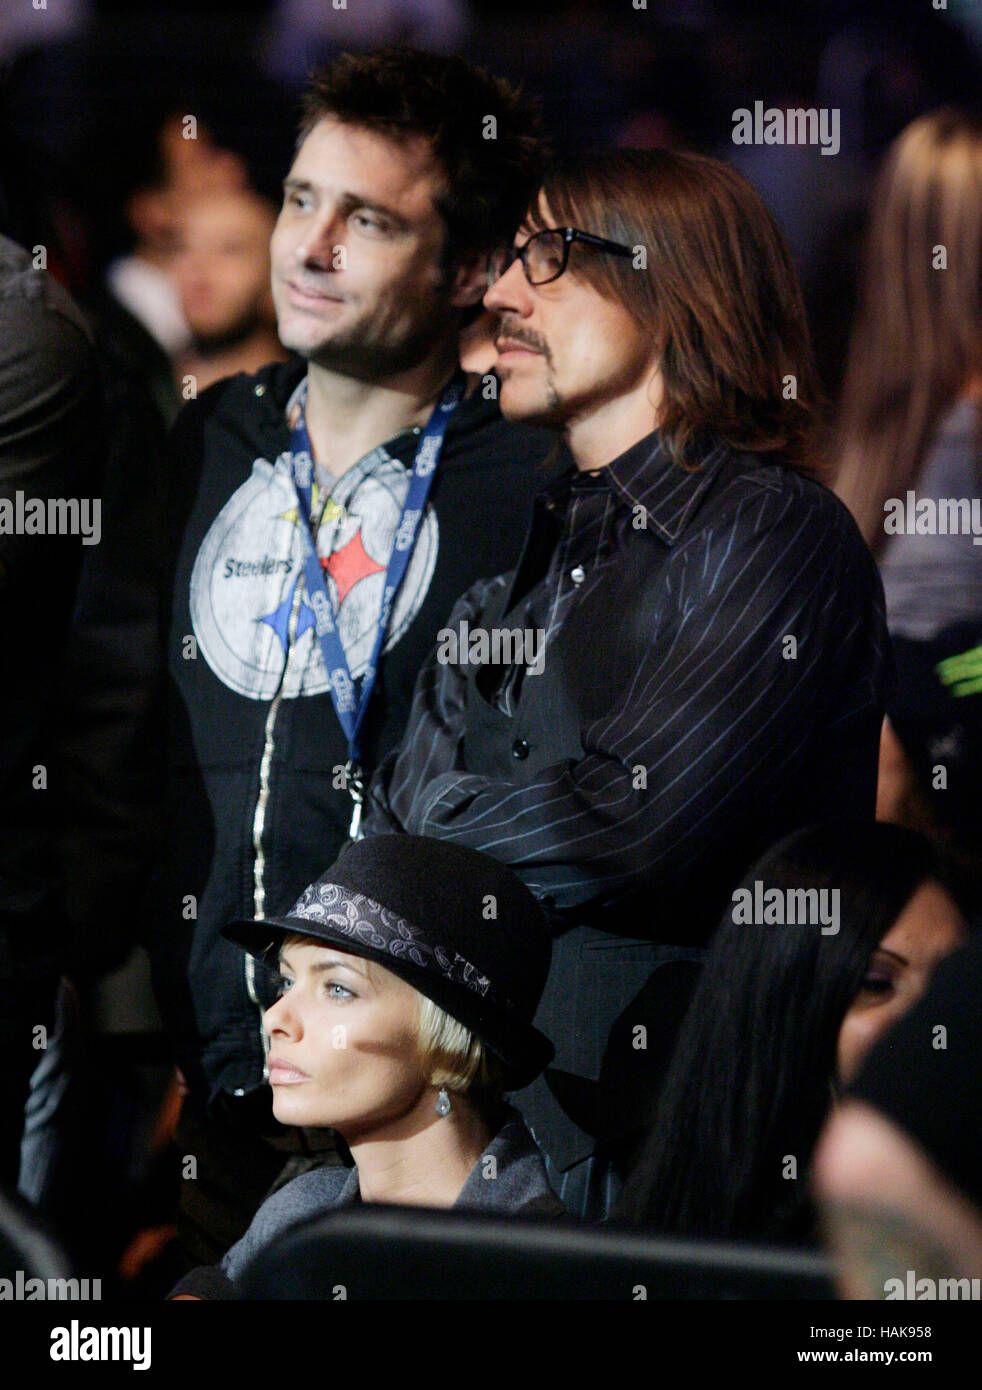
(577, 574)
(520, 748)
(260, 390)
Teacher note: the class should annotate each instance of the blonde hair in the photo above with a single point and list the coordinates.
(454, 1057)
(450, 1054)
(917, 339)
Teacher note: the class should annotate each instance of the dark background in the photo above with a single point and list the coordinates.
(88, 82)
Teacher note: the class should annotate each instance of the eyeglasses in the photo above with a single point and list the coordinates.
(545, 255)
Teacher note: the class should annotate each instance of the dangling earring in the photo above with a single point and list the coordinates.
(442, 1106)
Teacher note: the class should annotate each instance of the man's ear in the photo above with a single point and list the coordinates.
(469, 283)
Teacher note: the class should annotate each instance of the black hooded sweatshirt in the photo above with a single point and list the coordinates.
(256, 805)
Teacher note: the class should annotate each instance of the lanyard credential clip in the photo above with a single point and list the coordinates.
(355, 779)
(350, 707)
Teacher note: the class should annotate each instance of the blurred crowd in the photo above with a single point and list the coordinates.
(169, 766)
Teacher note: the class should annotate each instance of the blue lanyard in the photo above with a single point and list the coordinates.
(351, 712)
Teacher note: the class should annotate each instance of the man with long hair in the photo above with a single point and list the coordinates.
(710, 655)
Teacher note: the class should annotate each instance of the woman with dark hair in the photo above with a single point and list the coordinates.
(782, 1015)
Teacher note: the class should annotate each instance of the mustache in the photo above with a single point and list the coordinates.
(525, 337)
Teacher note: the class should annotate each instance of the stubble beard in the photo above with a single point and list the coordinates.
(355, 353)
(549, 412)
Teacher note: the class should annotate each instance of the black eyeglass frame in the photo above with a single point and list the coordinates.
(569, 235)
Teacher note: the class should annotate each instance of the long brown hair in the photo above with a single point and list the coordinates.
(918, 334)
(716, 289)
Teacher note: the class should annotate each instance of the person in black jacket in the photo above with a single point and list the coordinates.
(51, 454)
(296, 493)
(710, 655)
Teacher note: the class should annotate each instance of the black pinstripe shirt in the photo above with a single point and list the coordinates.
(715, 672)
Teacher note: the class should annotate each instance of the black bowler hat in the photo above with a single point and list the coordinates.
(455, 924)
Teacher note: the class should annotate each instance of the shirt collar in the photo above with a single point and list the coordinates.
(401, 446)
(518, 1168)
(644, 476)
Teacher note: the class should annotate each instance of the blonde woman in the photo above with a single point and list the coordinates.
(410, 974)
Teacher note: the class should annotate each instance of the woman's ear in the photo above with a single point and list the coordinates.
(469, 283)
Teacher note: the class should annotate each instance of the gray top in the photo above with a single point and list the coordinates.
(933, 581)
(509, 1176)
